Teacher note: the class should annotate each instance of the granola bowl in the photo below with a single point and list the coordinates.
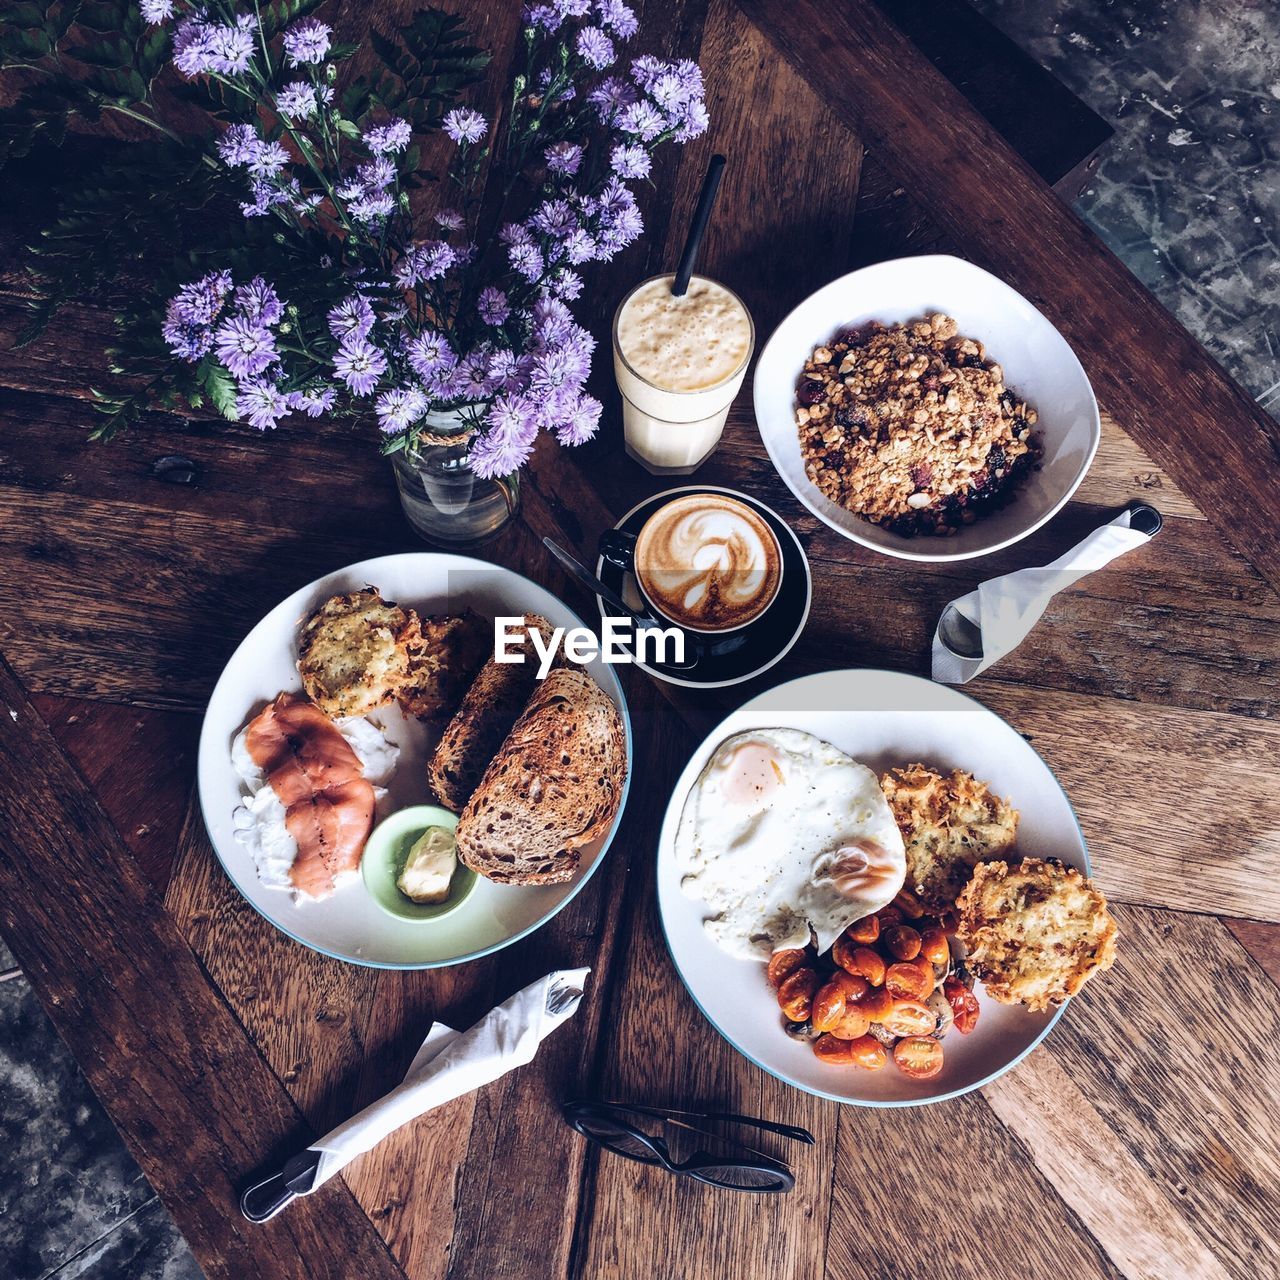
(1002, 365)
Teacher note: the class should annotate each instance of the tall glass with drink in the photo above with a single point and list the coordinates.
(679, 362)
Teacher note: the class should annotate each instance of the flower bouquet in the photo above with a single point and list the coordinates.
(453, 332)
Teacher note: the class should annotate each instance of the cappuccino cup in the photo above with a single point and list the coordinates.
(705, 561)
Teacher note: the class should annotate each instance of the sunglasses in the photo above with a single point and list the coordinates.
(721, 1157)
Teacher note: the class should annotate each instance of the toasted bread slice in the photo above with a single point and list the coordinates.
(444, 657)
(489, 708)
(353, 652)
(950, 823)
(554, 786)
(1034, 931)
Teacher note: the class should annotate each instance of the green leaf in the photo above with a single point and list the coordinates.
(221, 387)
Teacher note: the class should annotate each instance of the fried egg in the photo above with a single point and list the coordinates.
(783, 833)
(259, 819)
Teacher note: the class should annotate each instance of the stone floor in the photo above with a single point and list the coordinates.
(1187, 195)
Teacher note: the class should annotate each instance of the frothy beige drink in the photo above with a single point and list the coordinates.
(679, 362)
(708, 562)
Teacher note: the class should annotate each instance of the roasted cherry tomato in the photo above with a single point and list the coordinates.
(865, 930)
(876, 1003)
(888, 915)
(829, 1049)
(784, 963)
(949, 922)
(933, 946)
(860, 960)
(829, 1003)
(909, 904)
(902, 942)
(795, 996)
(868, 1053)
(853, 1023)
(918, 1057)
(964, 1005)
(909, 980)
(909, 1018)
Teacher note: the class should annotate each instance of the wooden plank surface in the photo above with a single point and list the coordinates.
(160, 1048)
(1151, 689)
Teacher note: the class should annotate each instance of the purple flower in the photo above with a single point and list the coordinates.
(239, 145)
(351, 318)
(566, 284)
(187, 340)
(514, 233)
(473, 376)
(246, 347)
(258, 301)
(298, 100)
(313, 402)
(193, 47)
(505, 370)
(619, 18)
(564, 157)
(630, 160)
(578, 420)
(450, 219)
(573, 8)
(262, 404)
(595, 48)
(642, 119)
(379, 172)
(692, 121)
(526, 260)
(610, 96)
(430, 352)
(555, 368)
(307, 41)
(359, 364)
(646, 69)
(371, 205)
(505, 447)
(201, 301)
(545, 16)
(231, 48)
(493, 306)
(389, 138)
(464, 125)
(427, 260)
(399, 408)
(555, 218)
(268, 160)
(580, 247)
(156, 11)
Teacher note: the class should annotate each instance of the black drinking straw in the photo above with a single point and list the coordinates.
(701, 216)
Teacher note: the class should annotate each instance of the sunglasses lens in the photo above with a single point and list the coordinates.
(741, 1178)
(617, 1140)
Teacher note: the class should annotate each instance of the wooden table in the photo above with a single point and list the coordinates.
(1139, 1141)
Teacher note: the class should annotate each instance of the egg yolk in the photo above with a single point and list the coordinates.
(857, 870)
(752, 774)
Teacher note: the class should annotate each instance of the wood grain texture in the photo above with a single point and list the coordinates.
(182, 1083)
(1165, 390)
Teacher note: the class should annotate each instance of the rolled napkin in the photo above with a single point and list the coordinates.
(449, 1064)
(980, 628)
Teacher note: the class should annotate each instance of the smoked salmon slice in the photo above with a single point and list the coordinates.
(328, 801)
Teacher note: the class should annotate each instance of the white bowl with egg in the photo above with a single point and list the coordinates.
(1038, 364)
(880, 719)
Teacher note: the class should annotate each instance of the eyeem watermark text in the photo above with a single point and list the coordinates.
(619, 641)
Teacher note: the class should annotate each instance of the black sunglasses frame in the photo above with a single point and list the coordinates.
(579, 1112)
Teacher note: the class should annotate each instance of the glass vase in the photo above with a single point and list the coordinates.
(443, 498)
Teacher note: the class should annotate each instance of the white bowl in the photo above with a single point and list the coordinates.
(884, 719)
(1038, 365)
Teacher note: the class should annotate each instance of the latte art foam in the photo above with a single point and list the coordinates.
(708, 562)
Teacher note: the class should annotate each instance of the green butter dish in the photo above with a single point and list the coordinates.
(388, 849)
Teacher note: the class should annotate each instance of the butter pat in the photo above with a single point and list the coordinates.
(428, 870)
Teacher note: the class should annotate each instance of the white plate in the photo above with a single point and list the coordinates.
(1038, 365)
(350, 925)
(883, 719)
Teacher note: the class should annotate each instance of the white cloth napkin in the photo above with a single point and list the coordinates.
(1002, 610)
(451, 1063)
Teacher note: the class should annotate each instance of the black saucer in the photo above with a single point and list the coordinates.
(739, 655)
